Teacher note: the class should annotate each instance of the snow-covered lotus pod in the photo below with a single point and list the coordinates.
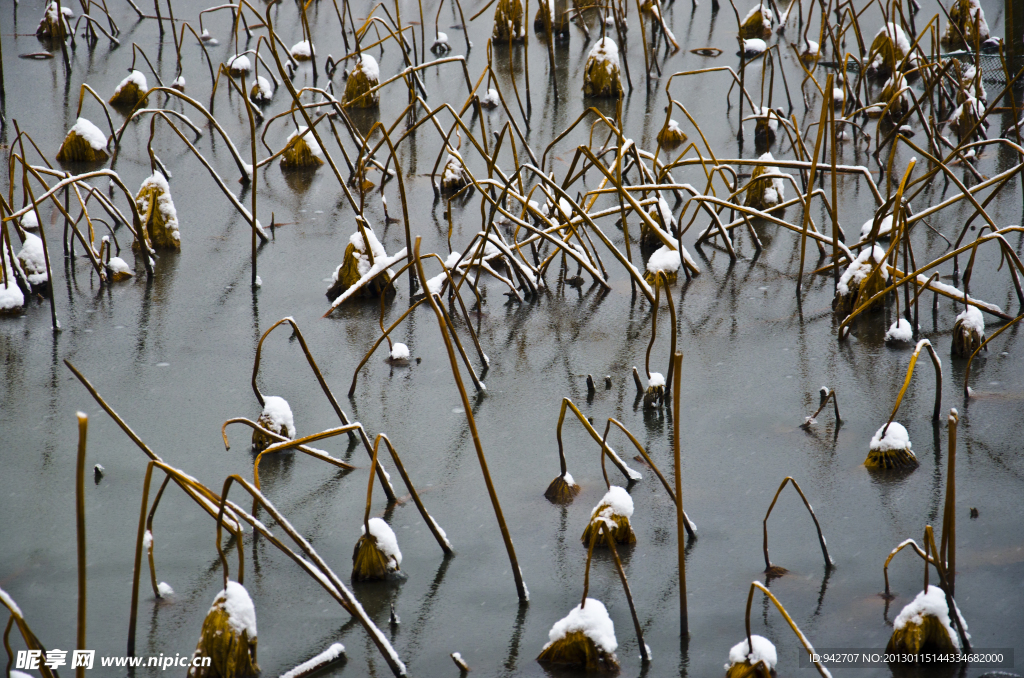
(766, 127)
(301, 152)
(601, 74)
(364, 77)
(440, 45)
(764, 194)
(453, 177)
(654, 396)
(301, 51)
(888, 50)
(376, 555)
(890, 448)
(559, 24)
(666, 262)
(757, 23)
(964, 118)
(276, 417)
(159, 217)
(33, 262)
(508, 21)
(131, 92)
(884, 228)
(399, 354)
(562, 489)
(900, 332)
(239, 65)
(754, 659)
(228, 637)
(584, 639)
(858, 283)
(491, 99)
(179, 83)
(84, 143)
(924, 626)
(118, 270)
(967, 26)
(810, 52)
(12, 299)
(752, 47)
(899, 106)
(262, 91)
(613, 511)
(52, 25)
(356, 264)
(29, 220)
(968, 332)
(670, 135)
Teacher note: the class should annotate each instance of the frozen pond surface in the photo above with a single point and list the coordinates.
(173, 356)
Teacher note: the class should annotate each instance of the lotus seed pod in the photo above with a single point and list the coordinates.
(376, 555)
(277, 418)
(859, 282)
(585, 639)
(130, 93)
(228, 637)
(84, 143)
(968, 332)
(508, 21)
(301, 152)
(613, 513)
(764, 194)
(159, 218)
(967, 27)
(757, 23)
(562, 490)
(924, 626)
(363, 78)
(670, 135)
(890, 448)
(601, 73)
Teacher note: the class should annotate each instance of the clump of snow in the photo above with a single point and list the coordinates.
(236, 602)
(164, 589)
(259, 282)
(617, 499)
(860, 268)
(277, 410)
(33, 259)
(657, 379)
(896, 438)
(568, 478)
(387, 542)
(368, 65)
(239, 63)
(453, 171)
(11, 296)
(310, 140)
(118, 265)
(899, 40)
(491, 99)
(972, 320)
(360, 244)
(931, 602)
(301, 50)
(91, 133)
(592, 620)
(811, 49)
(9, 602)
(606, 51)
(264, 92)
(758, 649)
(673, 126)
(775, 192)
(664, 259)
(325, 657)
(901, 330)
(664, 211)
(753, 47)
(179, 82)
(147, 540)
(164, 203)
(884, 228)
(136, 77)
(29, 221)
(399, 352)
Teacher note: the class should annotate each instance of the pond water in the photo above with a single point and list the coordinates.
(173, 356)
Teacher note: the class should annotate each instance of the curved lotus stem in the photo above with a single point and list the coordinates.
(825, 395)
(967, 371)
(775, 570)
(610, 539)
(26, 632)
(385, 483)
(629, 473)
(517, 574)
(298, 442)
(328, 579)
(442, 539)
(789, 620)
(937, 363)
